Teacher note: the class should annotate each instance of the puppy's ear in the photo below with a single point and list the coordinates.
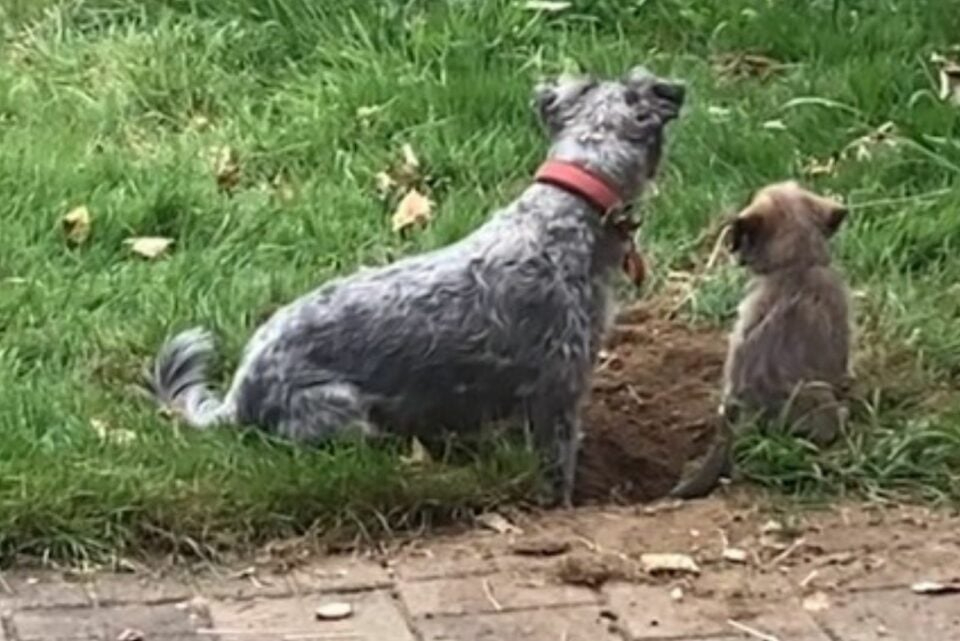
(745, 232)
(552, 97)
(830, 215)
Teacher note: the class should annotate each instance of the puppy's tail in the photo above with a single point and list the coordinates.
(716, 463)
(178, 379)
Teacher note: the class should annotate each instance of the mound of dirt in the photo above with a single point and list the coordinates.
(653, 407)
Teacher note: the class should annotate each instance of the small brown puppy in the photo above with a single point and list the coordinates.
(789, 351)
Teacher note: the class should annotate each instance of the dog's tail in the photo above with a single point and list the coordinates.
(178, 379)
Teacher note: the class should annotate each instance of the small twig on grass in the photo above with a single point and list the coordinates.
(6, 586)
(488, 591)
(697, 278)
(717, 248)
(900, 200)
(753, 632)
(780, 558)
(286, 636)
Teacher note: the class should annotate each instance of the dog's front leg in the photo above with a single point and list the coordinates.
(556, 437)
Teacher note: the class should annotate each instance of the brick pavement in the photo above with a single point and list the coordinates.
(471, 588)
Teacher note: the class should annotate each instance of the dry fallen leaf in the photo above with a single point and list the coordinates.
(497, 523)
(816, 167)
(541, 546)
(653, 563)
(76, 225)
(949, 78)
(131, 634)
(551, 6)
(735, 555)
(772, 527)
(410, 161)
(385, 183)
(414, 209)
(746, 65)
(366, 113)
(863, 147)
(149, 246)
(816, 602)
(226, 167)
(109, 434)
(676, 594)
(199, 122)
(334, 611)
(418, 454)
(719, 113)
(935, 587)
(282, 188)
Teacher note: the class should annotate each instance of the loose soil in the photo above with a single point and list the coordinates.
(653, 407)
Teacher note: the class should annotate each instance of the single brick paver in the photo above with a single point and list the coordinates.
(650, 612)
(477, 595)
(104, 624)
(125, 589)
(893, 615)
(42, 590)
(376, 617)
(569, 623)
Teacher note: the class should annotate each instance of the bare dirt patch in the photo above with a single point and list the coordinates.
(653, 407)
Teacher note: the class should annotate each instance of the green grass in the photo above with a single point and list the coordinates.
(117, 105)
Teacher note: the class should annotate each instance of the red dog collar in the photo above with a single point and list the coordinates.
(582, 182)
(601, 195)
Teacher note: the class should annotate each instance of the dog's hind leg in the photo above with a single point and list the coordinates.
(324, 411)
(556, 437)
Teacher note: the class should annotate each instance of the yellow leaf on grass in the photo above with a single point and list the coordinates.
(550, 6)
(76, 225)
(385, 183)
(149, 246)
(414, 209)
(657, 563)
(816, 602)
(418, 454)
(410, 160)
(109, 434)
(949, 70)
(226, 167)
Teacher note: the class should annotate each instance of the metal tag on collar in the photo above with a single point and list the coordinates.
(620, 218)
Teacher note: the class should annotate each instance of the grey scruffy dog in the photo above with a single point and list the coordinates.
(504, 323)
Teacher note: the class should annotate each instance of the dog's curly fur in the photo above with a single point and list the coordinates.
(505, 322)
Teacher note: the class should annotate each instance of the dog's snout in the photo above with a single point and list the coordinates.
(673, 92)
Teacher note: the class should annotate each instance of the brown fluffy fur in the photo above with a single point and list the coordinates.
(789, 351)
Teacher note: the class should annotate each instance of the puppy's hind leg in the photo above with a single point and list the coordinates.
(321, 412)
(815, 413)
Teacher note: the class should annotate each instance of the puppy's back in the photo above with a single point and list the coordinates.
(794, 328)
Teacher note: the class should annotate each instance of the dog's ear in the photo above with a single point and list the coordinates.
(830, 214)
(545, 99)
(646, 91)
(745, 232)
(551, 98)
